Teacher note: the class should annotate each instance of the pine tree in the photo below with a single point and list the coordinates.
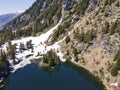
(75, 51)
(67, 39)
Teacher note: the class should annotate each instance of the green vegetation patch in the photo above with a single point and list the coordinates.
(82, 6)
(116, 67)
(51, 59)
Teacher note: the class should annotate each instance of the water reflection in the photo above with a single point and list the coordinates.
(51, 70)
(62, 77)
(86, 74)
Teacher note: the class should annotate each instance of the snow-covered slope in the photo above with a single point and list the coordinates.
(38, 46)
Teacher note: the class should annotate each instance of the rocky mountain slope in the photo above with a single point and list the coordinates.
(89, 34)
(93, 38)
(41, 15)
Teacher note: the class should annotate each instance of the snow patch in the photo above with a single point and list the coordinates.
(1, 79)
(115, 84)
(38, 46)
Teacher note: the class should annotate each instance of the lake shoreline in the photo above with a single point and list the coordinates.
(70, 74)
(92, 76)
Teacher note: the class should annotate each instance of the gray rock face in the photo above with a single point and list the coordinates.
(93, 4)
(29, 15)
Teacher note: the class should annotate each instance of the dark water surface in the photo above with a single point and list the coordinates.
(66, 77)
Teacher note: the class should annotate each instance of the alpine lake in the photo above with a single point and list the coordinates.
(66, 76)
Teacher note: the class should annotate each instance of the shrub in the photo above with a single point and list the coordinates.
(114, 71)
(75, 51)
(67, 39)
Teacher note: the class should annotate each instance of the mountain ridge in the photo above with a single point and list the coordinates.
(5, 18)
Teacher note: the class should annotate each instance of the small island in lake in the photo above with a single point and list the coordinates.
(50, 59)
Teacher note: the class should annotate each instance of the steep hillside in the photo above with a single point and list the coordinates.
(92, 28)
(41, 15)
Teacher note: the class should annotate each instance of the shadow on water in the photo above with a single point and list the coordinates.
(81, 71)
(61, 73)
(51, 70)
(86, 74)
(5, 82)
